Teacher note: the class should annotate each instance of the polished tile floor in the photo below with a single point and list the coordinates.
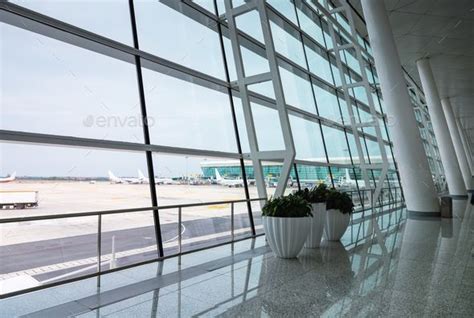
(416, 268)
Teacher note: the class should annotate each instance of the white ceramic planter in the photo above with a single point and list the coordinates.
(286, 236)
(316, 229)
(336, 224)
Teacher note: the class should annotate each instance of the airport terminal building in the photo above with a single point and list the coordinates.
(150, 151)
(307, 175)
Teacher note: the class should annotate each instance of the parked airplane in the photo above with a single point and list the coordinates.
(310, 183)
(158, 181)
(228, 182)
(142, 177)
(10, 178)
(347, 182)
(114, 179)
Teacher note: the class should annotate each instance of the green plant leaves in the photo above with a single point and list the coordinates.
(339, 201)
(290, 206)
(299, 204)
(315, 195)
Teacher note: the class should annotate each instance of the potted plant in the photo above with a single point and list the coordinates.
(317, 198)
(286, 224)
(339, 207)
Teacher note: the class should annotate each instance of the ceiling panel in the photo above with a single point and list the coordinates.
(429, 25)
(413, 43)
(402, 23)
(452, 8)
(411, 6)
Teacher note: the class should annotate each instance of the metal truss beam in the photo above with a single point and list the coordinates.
(287, 154)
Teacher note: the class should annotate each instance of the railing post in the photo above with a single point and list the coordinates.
(232, 221)
(179, 236)
(99, 248)
(179, 230)
(382, 208)
(113, 260)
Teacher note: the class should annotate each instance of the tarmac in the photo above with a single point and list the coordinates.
(62, 248)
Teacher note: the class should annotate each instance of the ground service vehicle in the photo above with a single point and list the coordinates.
(18, 199)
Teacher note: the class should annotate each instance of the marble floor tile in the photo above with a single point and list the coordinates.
(155, 305)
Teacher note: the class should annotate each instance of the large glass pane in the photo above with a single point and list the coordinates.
(241, 125)
(326, 34)
(310, 176)
(337, 148)
(309, 23)
(268, 128)
(196, 180)
(286, 8)
(127, 239)
(184, 179)
(252, 62)
(257, 214)
(297, 91)
(343, 22)
(377, 102)
(382, 129)
(65, 179)
(264, 88)
(327, 104)
(46, 252)
(374, 151)
(351, 61)
(206, 4)
(319, 65)
(362, 116)
(288, 44)
(360, 94)
(169, 33)
(307, 138)
(272, 175)
(250, 23)
(52, 87)
(107, 18)
(365, 149)
(187, 115)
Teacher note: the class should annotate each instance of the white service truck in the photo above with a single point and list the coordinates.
(18, 199)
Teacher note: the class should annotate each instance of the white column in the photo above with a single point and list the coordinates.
(457, 143)
(415, 175)
(465, 144)
(440, 128)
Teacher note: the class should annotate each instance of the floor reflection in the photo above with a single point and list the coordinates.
(323, 281)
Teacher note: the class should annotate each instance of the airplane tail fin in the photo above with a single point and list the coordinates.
(13, 175)
(348, 177)
(141, 176)
(112, 177)
(218, 175)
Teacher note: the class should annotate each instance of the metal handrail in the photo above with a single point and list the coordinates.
(120, 211)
